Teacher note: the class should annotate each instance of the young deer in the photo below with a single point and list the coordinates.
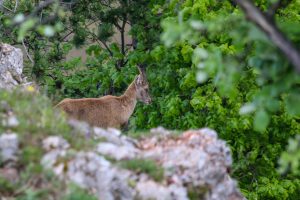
(109, 111)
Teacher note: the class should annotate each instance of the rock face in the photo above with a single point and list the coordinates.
(9, 149)
(11, 66)
(195, 161)
(9, 146)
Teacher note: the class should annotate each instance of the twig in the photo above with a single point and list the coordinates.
(41, 17)
(72, 30)
(102, 42)
(122, 31)
(256, 16)
(27, 53)
(108, 49)
(7, 8)
(25, 187)
(16, 6)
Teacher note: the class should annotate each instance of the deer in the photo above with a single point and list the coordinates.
(109, 111)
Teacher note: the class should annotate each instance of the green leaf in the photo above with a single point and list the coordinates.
(201, 76)
(247, 108)
(261, 120)
(292, 104)
(25, 27)
(19, 18)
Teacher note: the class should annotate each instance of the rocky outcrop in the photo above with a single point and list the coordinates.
(195, 161)
(9, 149)
(11, 66)
(9, 146)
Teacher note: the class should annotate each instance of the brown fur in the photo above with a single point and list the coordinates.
(108, 111)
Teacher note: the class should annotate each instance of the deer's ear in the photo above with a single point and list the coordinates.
(138, 80)
(141, 69)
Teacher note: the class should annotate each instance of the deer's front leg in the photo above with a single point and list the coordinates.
(125, 126)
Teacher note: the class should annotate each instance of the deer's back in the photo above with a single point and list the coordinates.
(101, 112)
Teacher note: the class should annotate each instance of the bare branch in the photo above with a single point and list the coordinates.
(101, 42)
(122, 31)
(276, 36)
(27, 53)
(108, 49)
(16, 6)
(72, 30)
(10, 10)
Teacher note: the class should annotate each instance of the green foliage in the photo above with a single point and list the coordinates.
(144, 166)
(227, 47)
(13, 17)
(290, 160)
(6, 186)
(76, 193)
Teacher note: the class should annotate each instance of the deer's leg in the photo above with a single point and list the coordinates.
(125, 126)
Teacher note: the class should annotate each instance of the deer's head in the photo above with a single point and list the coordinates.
(142, 87)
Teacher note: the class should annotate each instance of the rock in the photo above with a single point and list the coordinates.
(160, 131)
(9, 147)
(197, 158)
(195, 161)
(151, 190)
(114, 136)
(56, 146)
(55, 142)
(10, 120)
(10, 174)
(117, 152)
(110, 135)
(11, 66)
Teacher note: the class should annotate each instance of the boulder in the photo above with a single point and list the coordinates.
(194, 162)
(11, 66)
(9, 149)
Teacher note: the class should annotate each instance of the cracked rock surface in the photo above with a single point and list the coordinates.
(194, 161)
(11, 66)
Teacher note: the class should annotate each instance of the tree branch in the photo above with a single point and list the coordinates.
(27, 52)
(95, 37)
(107, 47)
(122, 31)
(7, 8)
(276, 36)
(16, 6)
(275, 6)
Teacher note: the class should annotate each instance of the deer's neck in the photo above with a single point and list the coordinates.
(129, 98)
